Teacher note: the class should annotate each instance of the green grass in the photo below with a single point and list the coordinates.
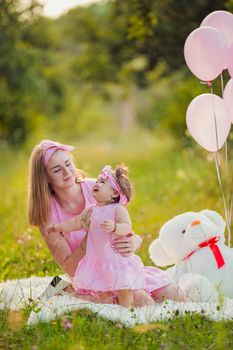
(168, 180)
(91, 332)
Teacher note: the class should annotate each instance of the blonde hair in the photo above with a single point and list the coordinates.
(121, 175)
(39, 191)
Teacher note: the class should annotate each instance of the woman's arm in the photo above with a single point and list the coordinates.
(61, 251)
(72, 261)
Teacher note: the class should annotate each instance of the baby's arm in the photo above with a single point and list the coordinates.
(123, 224)
(66, 226)
(70, 225)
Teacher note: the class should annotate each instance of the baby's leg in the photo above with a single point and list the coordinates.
(125, 297)
(171, 291)
(105, 297)
(142, 298)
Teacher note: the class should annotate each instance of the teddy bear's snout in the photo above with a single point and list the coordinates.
(195, 223)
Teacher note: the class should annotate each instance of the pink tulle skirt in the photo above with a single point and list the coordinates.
(101, 275)
(94, 275)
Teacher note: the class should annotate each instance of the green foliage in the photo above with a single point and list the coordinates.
(150, 29)
(229, 5)
(113, 52)
(84, 113)
(28, 85)
(165, 102)
(176, 21)
(181, 94)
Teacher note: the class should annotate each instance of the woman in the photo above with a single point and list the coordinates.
(58, 192)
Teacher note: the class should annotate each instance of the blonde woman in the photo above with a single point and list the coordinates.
(59, 192)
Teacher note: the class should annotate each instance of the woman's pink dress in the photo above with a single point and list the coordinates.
(154, 278)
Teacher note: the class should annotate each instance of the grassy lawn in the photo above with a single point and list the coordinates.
(168, 180)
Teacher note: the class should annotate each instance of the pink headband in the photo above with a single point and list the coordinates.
(106, 173)
(51, 146)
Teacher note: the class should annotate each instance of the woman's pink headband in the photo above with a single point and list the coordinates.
(106, 173)
(51, 146)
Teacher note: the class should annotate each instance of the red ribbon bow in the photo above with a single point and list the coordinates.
(215, 249)
(211, 243)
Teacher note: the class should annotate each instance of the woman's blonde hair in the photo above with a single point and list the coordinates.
(39, 191)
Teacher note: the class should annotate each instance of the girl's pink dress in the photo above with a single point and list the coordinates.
(154, 278)
(101, 269)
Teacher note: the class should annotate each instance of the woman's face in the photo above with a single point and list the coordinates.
(61, 172)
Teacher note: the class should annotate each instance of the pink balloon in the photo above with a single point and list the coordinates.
(223, 21)
(230, 60)
(205, 52)
(228, 98)
(204, 113)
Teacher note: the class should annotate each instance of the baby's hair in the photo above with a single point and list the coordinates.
(121, 174)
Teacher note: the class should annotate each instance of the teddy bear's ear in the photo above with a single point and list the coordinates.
(214, 217)
(158, 255)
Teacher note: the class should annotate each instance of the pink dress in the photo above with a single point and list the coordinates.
(101, 269)
(154, 277)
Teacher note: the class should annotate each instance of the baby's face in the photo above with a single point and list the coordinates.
(102, 190)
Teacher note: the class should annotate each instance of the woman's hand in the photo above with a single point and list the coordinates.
(126, 245)
(86, 218)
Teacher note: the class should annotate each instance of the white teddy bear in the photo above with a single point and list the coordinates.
(194, 242)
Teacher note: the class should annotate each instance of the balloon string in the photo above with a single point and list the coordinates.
(226, 148)
(230, 219)
(211, 88)
(222, 192)
(217, 163)
(229, 197)
(215, 121)
(222, 85)
(230, 212)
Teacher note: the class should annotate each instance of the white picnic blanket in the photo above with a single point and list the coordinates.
(17, 294)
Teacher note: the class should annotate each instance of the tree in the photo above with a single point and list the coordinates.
(116, 46)
(27, 88)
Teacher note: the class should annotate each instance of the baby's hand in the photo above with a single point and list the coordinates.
(108, 225)
(52, 229)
